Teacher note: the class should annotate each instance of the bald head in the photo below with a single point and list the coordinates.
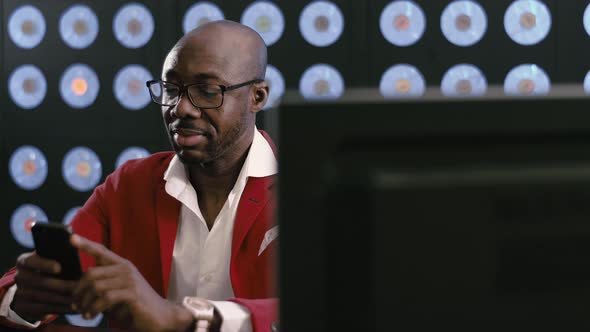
(240, 47)
(215, 55)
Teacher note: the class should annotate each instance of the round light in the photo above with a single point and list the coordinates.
(321, 23)
(28, 167)
(587, 19)
(276, 85)
(587, 83)
(79, 86)
(78, 26)
(527, 22)
(133, 25)
(129, 87)
(321, 81)
(26, 26)
(527, 79)
(131, 153)
(464, 80)
(266, 18)
(402, 81)
(199, 14)
(81, 169)
(463, 23)
(21, 222)
(69, 216)
(27, 86)
(402, 23)
(78, 320)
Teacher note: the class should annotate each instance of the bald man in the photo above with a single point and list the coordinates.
(182, 241)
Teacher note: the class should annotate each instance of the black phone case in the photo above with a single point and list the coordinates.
(52, 240)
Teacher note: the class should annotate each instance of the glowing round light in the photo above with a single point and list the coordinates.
(78, 320)
(27, 86)
(527, 22)
(79, 86)
(21, 221)
(26, 26)
(133, 25)
(276, 85)
(199, 14)
(587, 83)
(67, 220)
(463, 22)
(28, 167)
(321, 81)
(402, 23)
(78, 26)
(129, 87)
(266, 18)
(130, 153)
(464, 80)
(587, 19)
(402, 81)
(81, 169)
(321, 23)
(527, 79)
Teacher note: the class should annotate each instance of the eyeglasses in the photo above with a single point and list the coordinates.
(200, 95)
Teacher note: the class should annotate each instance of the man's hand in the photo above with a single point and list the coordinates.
(39, 293)
(116, 285)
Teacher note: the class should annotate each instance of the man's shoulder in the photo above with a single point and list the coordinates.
(153, 165)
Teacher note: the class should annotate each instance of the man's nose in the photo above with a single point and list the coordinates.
(185, 108)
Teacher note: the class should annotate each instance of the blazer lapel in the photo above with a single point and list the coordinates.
(255, 196)
(167, 212)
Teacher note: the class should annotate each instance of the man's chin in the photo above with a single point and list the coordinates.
(194, 157)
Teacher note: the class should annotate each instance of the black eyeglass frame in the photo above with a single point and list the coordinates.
(183, 90)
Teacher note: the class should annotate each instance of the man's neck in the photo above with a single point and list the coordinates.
(216, 178)
(214, 182)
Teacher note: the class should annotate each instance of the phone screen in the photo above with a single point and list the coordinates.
(52, 241)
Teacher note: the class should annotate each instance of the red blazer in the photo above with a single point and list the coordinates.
(132, 215)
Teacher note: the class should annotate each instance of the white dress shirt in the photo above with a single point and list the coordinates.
(201, 258)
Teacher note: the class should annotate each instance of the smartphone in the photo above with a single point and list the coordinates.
(52, 241)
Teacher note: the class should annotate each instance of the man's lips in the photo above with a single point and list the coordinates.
(188, 131)
(188, 137)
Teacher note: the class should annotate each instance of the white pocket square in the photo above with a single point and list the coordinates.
(270, 236)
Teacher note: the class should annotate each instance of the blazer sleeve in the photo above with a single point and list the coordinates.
(88, 222)
(263, 312)
(5, 283)
(91, 221)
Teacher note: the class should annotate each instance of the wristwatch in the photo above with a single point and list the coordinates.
(202, 310)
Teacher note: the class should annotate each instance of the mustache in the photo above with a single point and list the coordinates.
(187, 128)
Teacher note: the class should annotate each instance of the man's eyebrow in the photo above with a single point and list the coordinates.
(170, 73)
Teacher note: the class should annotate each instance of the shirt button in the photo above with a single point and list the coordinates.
(206, 278)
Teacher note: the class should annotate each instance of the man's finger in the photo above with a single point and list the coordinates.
(43, 296)
(87, 293)
(100, 252)
(29, 279)
(34, 262)
(41, 309)
(101, 272)
(109, 301)
(93, 276)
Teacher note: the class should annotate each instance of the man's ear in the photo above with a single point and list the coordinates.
(259, 96)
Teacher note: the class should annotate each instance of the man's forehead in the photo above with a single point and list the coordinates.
(196, 65)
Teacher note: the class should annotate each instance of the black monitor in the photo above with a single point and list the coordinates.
(438, 214)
